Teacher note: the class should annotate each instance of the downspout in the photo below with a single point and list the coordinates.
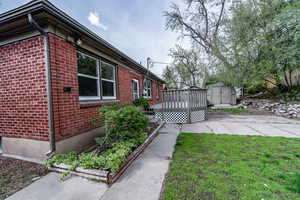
(48, 85)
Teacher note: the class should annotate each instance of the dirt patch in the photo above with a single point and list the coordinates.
(17, 174)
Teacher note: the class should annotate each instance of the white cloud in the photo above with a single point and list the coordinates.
(95, 20)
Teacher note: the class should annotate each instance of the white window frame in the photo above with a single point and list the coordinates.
(146, 89)
(99, 81)
(111, 81)
(98, 97)
(138, 88)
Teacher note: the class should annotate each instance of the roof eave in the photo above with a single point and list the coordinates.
(43, 5)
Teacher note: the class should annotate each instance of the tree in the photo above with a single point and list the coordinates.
(201, 21)
(253, 41)
(263, 35)
(171, 78)
(187, 69)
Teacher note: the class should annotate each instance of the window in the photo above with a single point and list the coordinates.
(108, 81)
(88, 77)
(135, 89)
(92, 86)
(147, 88)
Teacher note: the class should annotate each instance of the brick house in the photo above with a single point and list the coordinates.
(54, 75)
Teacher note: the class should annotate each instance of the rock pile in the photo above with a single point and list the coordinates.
(291, 110)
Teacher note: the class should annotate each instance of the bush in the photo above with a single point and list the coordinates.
(124, 127)
(123, 124)
(142, 102)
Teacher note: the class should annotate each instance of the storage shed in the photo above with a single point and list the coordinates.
(220, 93)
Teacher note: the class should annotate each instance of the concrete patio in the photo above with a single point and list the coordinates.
(264, 125)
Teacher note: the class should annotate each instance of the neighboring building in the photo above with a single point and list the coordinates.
(220, 93)
(54, 75)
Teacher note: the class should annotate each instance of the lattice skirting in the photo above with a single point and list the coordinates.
(181, 117)
(197, 116)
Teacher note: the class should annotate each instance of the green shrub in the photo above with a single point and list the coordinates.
(124, 127)
(142, 102)
(123, 124)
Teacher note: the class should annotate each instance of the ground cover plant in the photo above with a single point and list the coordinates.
(17, 174)
(220, 167)
(126, 128)
(234, 111)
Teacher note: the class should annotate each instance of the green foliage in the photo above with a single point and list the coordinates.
(142, 102)
(110, 159)
(292, 95)
(124, 127)
(109, 108)
(122, 124)
(115, 156)
(254, 41)
(68, 159)
(90, 161)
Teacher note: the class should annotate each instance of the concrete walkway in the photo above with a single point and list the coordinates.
(50, 187)
(144, 179)
(141, 181)
(264, 125)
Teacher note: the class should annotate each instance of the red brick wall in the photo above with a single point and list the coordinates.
(125, 77)
(23, 99)
(70, 118)
(125, 87)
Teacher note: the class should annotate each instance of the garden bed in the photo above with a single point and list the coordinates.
(17, 174)
(107, 176)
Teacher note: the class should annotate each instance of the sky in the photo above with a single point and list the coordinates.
(136, 27)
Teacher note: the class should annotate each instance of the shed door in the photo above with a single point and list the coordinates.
(226, 95)
(216, 95)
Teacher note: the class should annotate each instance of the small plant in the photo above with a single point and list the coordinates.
(110, 159)
(142, 102)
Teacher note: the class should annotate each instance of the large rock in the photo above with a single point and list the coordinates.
(291, 110)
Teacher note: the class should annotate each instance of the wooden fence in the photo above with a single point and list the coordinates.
(182, 106)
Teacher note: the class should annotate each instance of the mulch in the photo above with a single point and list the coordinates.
(17, 174)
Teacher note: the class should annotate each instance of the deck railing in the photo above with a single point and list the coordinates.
(182, 106)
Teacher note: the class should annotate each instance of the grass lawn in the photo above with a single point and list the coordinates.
(17, 174)
(233, 111)
(228, 167)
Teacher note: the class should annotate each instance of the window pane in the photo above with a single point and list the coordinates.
(87, 86)
(134, 86)
(149, 93)
(147, 84)
(108, 89)
(107, 71)
(86, 65)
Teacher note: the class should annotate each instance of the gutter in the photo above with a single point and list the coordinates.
(48, 7)
(52, 143)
